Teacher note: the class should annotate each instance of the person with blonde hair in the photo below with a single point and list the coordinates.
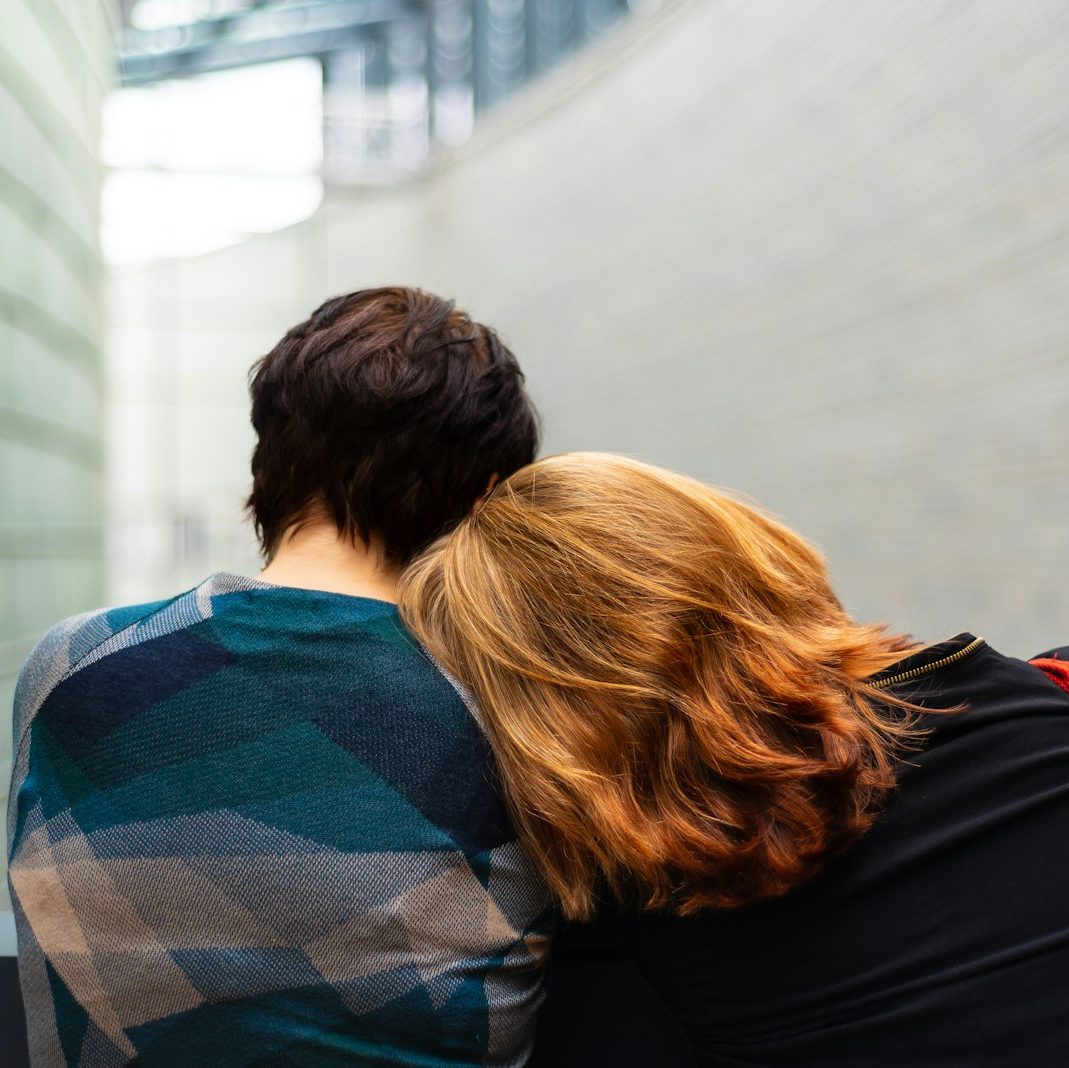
(822, 842)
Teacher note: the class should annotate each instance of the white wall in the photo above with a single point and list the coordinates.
(815, 250)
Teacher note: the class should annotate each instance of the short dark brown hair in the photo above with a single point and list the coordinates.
(390, 409)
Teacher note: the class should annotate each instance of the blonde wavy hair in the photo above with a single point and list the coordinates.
(676, 698)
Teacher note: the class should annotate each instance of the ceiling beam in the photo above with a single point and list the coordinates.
(258, 35)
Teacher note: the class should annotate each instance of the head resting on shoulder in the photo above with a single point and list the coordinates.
(676, 697)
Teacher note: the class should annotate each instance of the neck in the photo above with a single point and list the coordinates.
(317, 557)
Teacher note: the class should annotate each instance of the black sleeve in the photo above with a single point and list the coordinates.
(1061, 653)
(600, 1009)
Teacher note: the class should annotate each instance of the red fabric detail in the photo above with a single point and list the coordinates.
(1055, 670)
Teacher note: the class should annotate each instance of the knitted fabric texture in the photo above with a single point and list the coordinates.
(257, 825)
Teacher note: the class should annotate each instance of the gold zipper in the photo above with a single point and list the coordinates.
(935, 665)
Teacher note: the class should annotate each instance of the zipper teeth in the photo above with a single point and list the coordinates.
(935, 665)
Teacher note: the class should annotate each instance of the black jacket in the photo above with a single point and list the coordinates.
(941, 939)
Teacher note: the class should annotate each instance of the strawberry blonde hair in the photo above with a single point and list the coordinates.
(677, 701)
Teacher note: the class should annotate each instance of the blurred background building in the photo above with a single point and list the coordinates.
(811, 249)
(815, 250)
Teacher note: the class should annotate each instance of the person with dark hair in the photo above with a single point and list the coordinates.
(388, 413)
(254, 823)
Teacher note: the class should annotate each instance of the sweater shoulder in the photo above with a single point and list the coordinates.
(74, 642)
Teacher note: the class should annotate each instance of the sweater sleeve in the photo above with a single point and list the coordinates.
(52, 659)
(48, 662)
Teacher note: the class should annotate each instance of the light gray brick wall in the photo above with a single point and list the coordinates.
(814, 250)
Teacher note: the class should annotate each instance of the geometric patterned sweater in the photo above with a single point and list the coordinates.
(256, 825)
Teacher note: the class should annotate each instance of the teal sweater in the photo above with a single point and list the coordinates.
(256, 825)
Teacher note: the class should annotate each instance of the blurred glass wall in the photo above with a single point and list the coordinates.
(55, 67)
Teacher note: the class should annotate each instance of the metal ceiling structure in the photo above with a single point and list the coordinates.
(258, 33)
(480, 50)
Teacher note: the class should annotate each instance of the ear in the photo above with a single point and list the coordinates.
(495, 478)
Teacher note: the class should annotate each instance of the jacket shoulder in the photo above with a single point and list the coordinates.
(1061, 652)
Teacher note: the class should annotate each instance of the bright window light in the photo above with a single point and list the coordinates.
(162, 14)
(197, 164)
(158, 14)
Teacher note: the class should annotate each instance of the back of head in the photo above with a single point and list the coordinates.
(676, 697)
(389, 410)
